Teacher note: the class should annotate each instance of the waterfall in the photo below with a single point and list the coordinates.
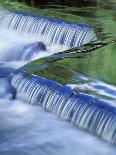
(49, 31)
(85, 111)
(27, 129)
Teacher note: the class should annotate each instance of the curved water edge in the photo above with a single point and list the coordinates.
(50, 31)
(85, 111)
(23, 127)
(31, 40)
(27, 129)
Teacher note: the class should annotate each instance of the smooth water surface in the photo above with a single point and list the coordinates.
(100, 64)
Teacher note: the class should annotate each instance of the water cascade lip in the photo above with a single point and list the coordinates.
(49, 31)
(41, 36)
(85, 111)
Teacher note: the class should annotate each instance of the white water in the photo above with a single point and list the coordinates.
(84, 111)
(11, 41)
(28, 130)
(49, 31)
(19, 31)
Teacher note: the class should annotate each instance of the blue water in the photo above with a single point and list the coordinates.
(93, 114)
(29, 130)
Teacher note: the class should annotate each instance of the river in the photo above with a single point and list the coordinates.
(29, 130)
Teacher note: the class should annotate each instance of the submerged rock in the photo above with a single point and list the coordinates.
(23, 52)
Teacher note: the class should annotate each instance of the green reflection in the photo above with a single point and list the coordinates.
(101, 64)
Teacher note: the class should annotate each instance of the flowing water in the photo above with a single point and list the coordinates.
(29, 130)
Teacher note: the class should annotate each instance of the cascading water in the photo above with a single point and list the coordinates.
(49, 31)
(26, 129)
(87, 112)
(39, 34)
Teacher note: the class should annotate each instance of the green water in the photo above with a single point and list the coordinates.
(101, 64)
